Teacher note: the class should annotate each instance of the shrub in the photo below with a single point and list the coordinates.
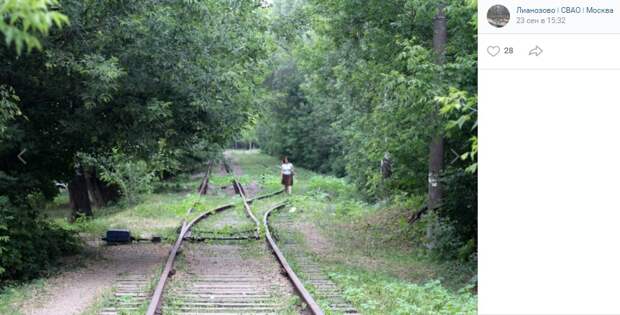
(438, 237)
(460, 202)
(132, 176)
(29, 245)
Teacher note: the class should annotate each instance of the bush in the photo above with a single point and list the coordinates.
(29, 245)
(441, 237)
(460, 202)
(132, 176)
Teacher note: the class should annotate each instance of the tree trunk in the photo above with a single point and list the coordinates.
(440, 34)
(434, 170)
(94, 190)
(78, 193)
(435, 165)
(109, 193)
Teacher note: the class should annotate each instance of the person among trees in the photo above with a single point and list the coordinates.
(287, 171)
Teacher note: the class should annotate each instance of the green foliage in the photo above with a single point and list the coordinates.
(439, 236)
(23, 20)
(385, 295)
(30, 245)
(147, 89)
(461, 110)
(101, 77)
(359, 80)
(133, 177)
(8, 107)
(461, 201)
(354, 81)
(84, 224)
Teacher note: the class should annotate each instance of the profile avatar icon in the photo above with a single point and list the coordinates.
(498, 15)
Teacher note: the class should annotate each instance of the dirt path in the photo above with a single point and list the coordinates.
(72, 292)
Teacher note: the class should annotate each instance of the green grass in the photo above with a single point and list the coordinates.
(380, 294)
(156, 214)
(13, 295)
(227, 223)
(261, 168)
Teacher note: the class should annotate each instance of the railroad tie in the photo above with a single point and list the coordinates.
(310, 271)
(130, 292)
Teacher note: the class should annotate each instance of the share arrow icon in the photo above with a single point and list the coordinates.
(19, 156)
(536, 51)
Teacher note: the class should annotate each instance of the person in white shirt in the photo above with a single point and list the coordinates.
(287, 171)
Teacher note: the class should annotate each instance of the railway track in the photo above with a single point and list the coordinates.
(130, 294)
(310, 271)
(218, 280)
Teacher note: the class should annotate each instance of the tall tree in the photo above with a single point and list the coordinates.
(151, 81)
(436, 152)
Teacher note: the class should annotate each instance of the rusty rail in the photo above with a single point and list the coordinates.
(265, 196)
(248, 210)
(305, 295)
(246, 203)
(161, 284)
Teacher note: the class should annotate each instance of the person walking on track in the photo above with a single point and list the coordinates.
(287, 171)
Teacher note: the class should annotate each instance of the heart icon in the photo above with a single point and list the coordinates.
(493, 50)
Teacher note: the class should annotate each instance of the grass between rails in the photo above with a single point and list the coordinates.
(366, 248)
(231, 222)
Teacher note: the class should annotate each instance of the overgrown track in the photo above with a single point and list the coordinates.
(228, 290)
(312, 274)
(305, 295)
(185, 227)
